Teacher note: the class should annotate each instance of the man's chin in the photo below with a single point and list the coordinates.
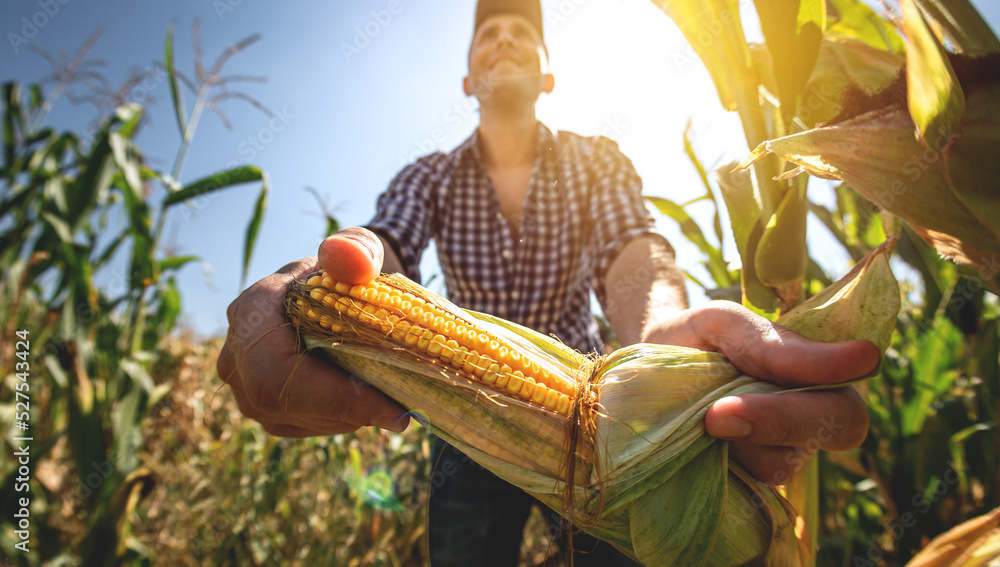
(513, 86)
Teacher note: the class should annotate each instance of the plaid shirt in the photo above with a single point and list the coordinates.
(583, 205)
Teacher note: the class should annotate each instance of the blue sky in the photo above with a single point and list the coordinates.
(359, 89)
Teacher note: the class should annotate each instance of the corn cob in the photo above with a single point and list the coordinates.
(617, 443)
(440, 334)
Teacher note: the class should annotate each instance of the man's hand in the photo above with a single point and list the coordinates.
(774, 435)
(292, 394)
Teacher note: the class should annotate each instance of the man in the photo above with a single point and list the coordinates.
(527, 223)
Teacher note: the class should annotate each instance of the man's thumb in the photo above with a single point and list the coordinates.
(353, 255)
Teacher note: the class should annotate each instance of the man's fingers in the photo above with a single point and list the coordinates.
(283, 381)
(771, 352)
(353, 255)
(835, 420)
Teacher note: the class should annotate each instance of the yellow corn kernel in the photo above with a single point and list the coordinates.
(369, 294)
(425, 339)
(383, 320)
(460, 353)
(471, 361)
(551, 398)
(515, 361)
(490, 376)
(342, 305)
(436, 344)
(468, 339)
(400, 329)
(562, 406)
(426, 319)
(502, 352)
(503, 376)
(413, 335)
(484, 363)
(539, 394)
(325, 321)
(515, 382)
(448, 350)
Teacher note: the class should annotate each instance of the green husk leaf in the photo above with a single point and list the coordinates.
(640, 441)
(864, 304)
(687, 510)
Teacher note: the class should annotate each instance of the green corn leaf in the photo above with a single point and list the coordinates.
(175, 93)
(110, 250)
(131, 117)
(962, 25)
(176, 262)
(252, 229)
(793, 30)
(855, 19)
(935, 99)
(129, 161)
(715, 263)
(709, 193)
(933, 372)
(14, 125)
(712, 28)
(744, 215)
(94, 179)
(947, 196)
(60, 226)
(215, 182)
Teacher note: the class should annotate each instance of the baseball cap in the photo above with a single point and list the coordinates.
(530, 9)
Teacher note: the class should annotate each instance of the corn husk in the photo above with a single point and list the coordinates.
(974, 543)
(632, 464)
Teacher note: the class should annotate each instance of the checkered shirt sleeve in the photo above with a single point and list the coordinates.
(620, 213)
(405, 212)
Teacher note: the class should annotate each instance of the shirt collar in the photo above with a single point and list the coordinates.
(470, 147)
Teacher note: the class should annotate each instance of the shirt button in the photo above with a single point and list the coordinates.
(500, 216)
(507, 254)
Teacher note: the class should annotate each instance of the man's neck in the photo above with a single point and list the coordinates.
(508, 139)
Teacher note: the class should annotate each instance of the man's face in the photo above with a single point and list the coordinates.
(506, 58)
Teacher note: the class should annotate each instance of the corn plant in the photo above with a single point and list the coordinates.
(76, 211)
(839, 62)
